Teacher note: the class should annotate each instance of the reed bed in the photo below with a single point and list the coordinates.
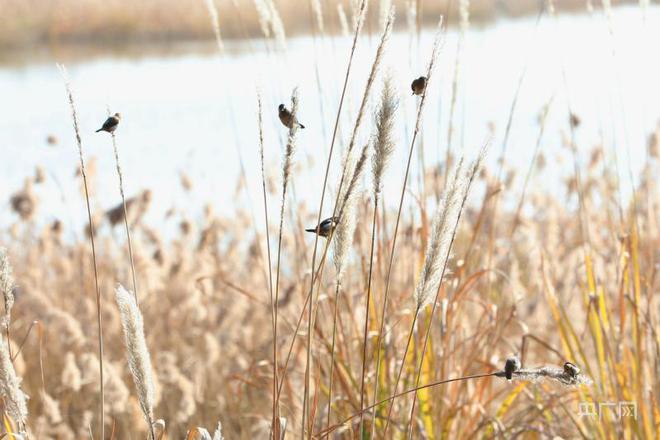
(486, 307)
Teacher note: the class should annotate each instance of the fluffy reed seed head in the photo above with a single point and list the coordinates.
(14, 398)
(383, 140)
(439, 245)
(318, 14)
(343, 21)
(287, 163)
(343, 234)
(139, 361)
(6, 285)
(464, 13)
(384, 9)
(365, 99)
(215, 22)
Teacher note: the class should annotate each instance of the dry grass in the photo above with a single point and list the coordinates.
(407, 334)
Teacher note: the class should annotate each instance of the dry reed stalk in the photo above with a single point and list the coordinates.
(287, 165)
(558, 375)
(270, 272)
(139, 361)
(342, 199)
(420, 111)
(7, 286)
(123, 203)
(320, 213)
(436, 258)
(99, 321)
(383, 144)
(342, 239)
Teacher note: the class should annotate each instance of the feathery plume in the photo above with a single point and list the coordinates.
(384, 8)
(139, 361)
(384, 137)
(343, 234)
(437, 251)
(215, 22)
(318, 14)
(6, 285)
(343, 21)
(15, 399)
(290, 145)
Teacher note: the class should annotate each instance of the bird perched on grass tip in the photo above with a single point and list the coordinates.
(418, 86)
(326, 227)
(571, 370)
(110, 124)
(287, 118)
(512, 365)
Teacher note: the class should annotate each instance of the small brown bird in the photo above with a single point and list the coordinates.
(574, 120)
(110, 124)
(326, 227)
(571, 370)
(287, 118)
(418, 86)
(512, 364)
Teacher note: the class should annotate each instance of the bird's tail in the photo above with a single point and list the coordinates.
(100, 129)
(312, 230)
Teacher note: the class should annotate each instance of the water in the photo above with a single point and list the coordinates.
(191, 111)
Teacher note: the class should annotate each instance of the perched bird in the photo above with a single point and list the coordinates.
(512, 364)
(326, 227)
(571, 370)
(418, 86)
(110, 124)
(287, 118)
(574, 120)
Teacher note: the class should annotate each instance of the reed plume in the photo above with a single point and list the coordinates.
(310, 299)
(139, 361)
(463, 184)
(383, 146)
(287, 164)
(7, 286)
(437, 250)
(365, 97)
(124, 207)
(418, 123)
(215, 23)
(342, 241)
(13, 396)
(383, 141)
(318, 15)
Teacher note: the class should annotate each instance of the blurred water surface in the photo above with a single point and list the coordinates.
(190, 110)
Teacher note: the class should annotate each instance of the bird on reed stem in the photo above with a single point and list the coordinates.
(110, 124)
(287, 118)
(326, 227)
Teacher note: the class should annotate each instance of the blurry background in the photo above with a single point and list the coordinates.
(26, 23)
(190, 110)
